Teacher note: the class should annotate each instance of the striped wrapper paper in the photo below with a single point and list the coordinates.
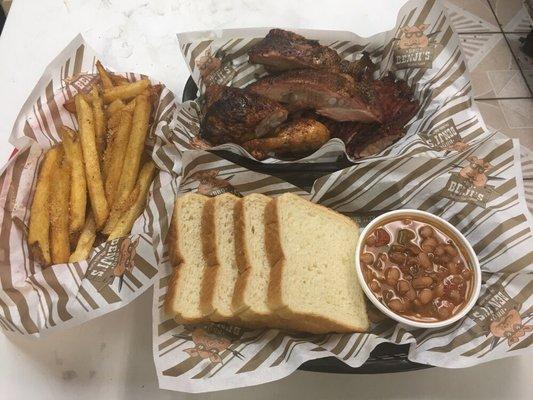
(434, 67)
(429, 169)
(35, 301)
(493, 216)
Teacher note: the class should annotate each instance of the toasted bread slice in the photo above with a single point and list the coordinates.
(313, 284)
(251, 287)
(219, 245)
(188, 258)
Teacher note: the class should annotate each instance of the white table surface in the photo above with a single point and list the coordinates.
(111, 357)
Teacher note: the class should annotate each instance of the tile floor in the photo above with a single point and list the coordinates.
(502, 75)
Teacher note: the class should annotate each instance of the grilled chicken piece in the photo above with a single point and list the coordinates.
(333, 95)
(238, 115)
(282, 50)
(301, 136)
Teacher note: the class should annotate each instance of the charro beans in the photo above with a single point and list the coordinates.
(416, 269)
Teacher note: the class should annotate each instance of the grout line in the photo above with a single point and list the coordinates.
(495, 16)
(494, 33)
(511, 49)
(517, 63)
(503, 98)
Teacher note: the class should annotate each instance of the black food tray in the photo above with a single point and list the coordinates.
(386, 357)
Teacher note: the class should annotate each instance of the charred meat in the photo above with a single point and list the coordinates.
(398, 107)
(298, 137)
(395, 100)
(282, 50)
(238, 115)
(313, 96)
(336, 96)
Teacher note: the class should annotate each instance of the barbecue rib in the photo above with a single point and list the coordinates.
(238, 115)
(301, 136)
(396, 102)
(333, 95)
(282, 50)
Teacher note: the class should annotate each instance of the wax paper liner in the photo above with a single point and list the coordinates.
(35, 301)
(431, 61)
(488, 208)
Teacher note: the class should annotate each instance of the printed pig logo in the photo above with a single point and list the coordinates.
(213, 70)
(444, 137)
(413, 48)
(413, 37)
(475, 171)
(210, 185)
(497, 313)
(112, 261)
(470, 184)
(207, 64)
(210, 342)
(510, 327)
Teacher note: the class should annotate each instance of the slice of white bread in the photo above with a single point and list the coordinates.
(313, 283)
(188, 258)
(219, 245)
(251, 287)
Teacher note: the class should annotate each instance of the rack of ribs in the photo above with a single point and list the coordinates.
(331, 94)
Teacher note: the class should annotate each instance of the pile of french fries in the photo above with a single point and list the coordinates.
(94, 184)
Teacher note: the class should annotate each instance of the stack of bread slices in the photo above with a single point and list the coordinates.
(258, 261)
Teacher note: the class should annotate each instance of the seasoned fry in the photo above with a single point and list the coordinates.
(126, 221)
(99, 121)
(93, 173)
(70, 105)
(107, 83)
(125, 92)
(115, 106)
(115, 154)
(119, 80)
(59, 229)
(39, 235)
(114, 120)
(78, 190)
(130, 169)
(85, 241)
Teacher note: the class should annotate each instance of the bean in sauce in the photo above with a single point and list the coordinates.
(416, 270)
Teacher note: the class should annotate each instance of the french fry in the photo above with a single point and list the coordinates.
(114, 120)
(59, 211)
(125, 92)
(126, 221)
(85, 241)
(119, 80)
(115, 106)
(130, 168)
(39, 230)
(99, 121)
(70, 105)
(93, 174)
(104, 76)
(115, 154)
(78, 184)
